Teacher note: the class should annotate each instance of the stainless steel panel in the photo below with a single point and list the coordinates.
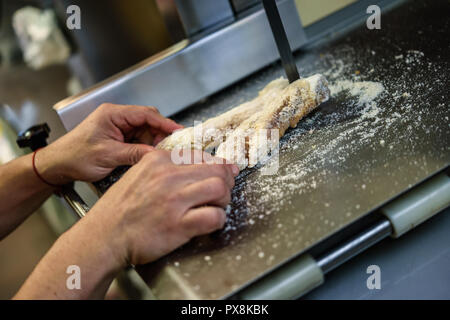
(192, 73)
(198, 15)
(240, 5)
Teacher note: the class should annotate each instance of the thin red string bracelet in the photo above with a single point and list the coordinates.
(39, 176)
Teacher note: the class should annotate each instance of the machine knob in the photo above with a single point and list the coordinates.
(34, 137)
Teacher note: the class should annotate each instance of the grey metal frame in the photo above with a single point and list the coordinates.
(304, 273)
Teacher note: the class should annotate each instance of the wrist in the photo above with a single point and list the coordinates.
(81, 247)
(91, 249)
(51, 167)
(103, 240)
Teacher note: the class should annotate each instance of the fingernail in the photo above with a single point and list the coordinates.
(224, 218)
(235, 169)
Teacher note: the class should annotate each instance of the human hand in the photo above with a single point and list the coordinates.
(158, 206)
(111, 136)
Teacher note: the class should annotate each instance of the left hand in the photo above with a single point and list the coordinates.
(111, 136)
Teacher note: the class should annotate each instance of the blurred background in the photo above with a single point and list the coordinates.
(43, 62)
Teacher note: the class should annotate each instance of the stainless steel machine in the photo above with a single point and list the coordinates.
(352, 174)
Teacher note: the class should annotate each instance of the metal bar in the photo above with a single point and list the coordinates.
(74, 200)
(355, 245)
(279, 34)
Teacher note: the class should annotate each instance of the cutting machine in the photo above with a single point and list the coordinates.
(354, 174)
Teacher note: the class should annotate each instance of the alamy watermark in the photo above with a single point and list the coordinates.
(73, 21)
(73, 281)
(374, 20)
(374, 280)
(245, 148)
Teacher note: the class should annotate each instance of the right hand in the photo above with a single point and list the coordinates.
(158, 206)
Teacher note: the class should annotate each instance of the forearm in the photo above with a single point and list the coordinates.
(84, 246)
(21, 193)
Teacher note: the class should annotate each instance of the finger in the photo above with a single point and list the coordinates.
(210, 159)
(232, 168)
(203, 220)
(158, 138)
(194, 166)
(211, 191)
(157, 121)
(189, 157)
(197, 172)
(128, 153)
(142, 135)
(146, 135)
(127, 117)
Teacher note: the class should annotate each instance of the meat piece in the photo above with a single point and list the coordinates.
(249, 132)
(210, 133)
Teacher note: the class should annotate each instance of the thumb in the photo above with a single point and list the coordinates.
(129, 153)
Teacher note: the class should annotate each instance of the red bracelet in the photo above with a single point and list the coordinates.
(39, 176)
